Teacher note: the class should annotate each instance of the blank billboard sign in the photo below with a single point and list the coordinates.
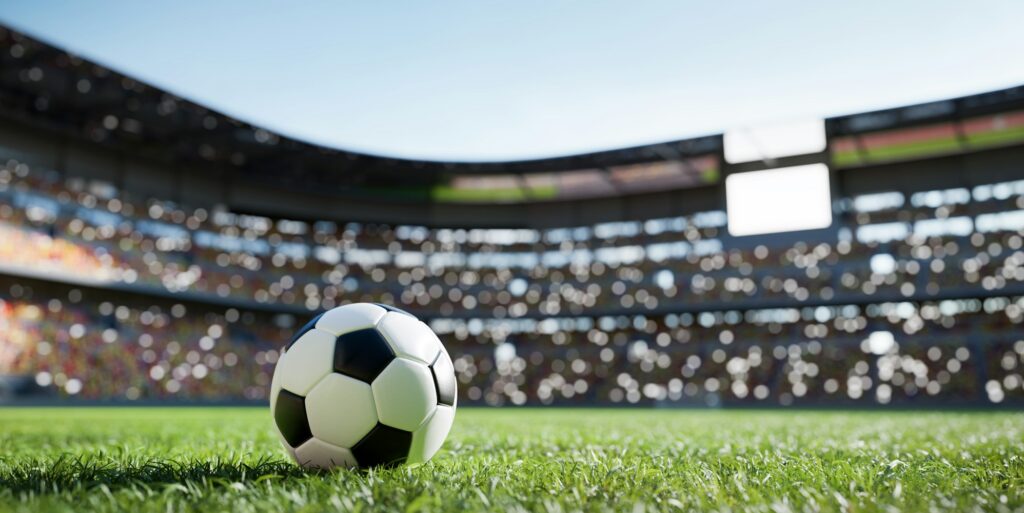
(778, 200)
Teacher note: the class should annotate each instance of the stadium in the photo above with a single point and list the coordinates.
(155, 252)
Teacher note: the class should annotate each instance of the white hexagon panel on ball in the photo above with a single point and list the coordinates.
(322, 455)
(340, 410)
(305, 363)
(346, 318)
(404, 394)
(410, 338)
(431, 435)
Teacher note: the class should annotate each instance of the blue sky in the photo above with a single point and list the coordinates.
(481, 80)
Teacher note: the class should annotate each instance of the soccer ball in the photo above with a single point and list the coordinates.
(363, 385)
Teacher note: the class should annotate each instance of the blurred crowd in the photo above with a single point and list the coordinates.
(100, 350)
(888, 247)
(947, 352)
(588, 314)
(950, 352)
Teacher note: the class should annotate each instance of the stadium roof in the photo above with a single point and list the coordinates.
(494, 82)
(44, 82)
(46, 87)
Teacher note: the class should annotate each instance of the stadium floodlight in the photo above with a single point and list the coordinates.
(768, 142)
(778, 200)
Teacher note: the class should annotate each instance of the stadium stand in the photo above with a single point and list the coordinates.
(617, 283)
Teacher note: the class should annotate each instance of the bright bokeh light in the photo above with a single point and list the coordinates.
(883, 263)
(880, 342)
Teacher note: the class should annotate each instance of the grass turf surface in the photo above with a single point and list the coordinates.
(178, 459)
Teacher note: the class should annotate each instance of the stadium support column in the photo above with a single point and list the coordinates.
(61, 158)
(120, 170)
(979, 358)
(225, 178)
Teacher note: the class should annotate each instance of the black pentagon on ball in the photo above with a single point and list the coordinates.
(394, 309)
(362, 354)
(383, 446)
(290, 416)
(444, 379)
(309, 325)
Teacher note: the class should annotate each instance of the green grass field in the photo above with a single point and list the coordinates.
(553, 460)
